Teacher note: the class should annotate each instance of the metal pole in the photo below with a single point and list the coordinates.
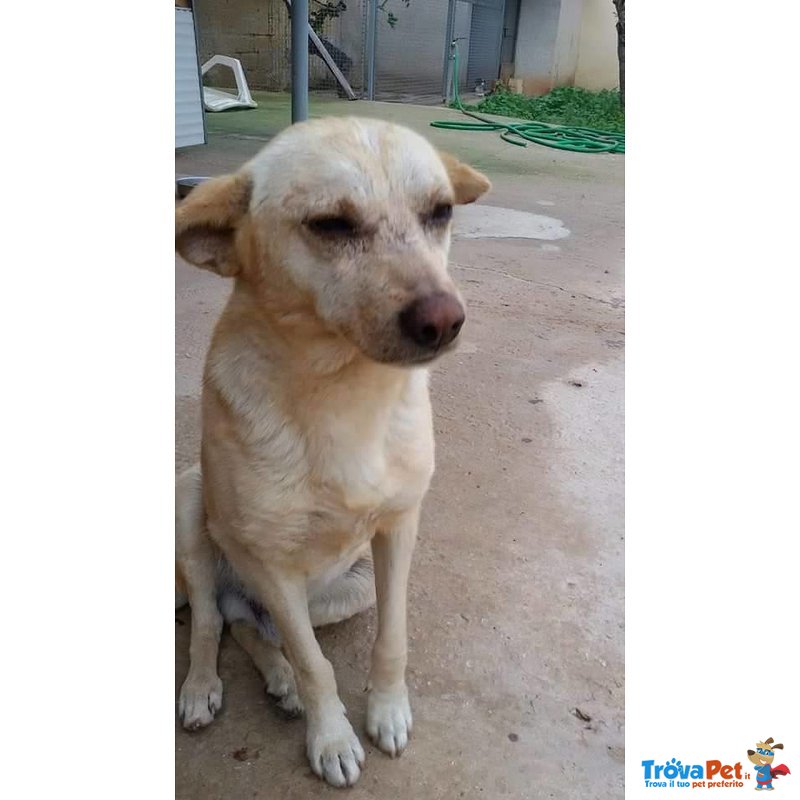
(299, 60)
(372, 29)
(448, 50)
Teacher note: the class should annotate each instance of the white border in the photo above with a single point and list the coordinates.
(712, 421)
(88, 435)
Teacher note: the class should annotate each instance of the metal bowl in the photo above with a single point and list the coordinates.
(185, 185)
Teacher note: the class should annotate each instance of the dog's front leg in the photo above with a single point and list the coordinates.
(201, 693)
(335, 753)
(388, 711)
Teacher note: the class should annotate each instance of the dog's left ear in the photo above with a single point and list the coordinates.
(468, 184)
(206, 223)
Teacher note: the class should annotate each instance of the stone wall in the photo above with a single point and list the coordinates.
(257, 32)
(254, 31)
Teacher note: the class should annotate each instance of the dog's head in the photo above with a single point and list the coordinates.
(346, 223)
(764, 752)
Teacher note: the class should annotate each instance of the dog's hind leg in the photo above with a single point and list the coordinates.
(201, 693)
(333, 748)
(351, 593)
(272, 664)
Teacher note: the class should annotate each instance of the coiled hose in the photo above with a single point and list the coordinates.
(562, 137)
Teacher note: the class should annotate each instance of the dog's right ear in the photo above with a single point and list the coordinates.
(468, 184)
(206, 222)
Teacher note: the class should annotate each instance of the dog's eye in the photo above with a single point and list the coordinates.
(440, 215)
(333, 226)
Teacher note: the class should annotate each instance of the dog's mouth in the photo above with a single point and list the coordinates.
(403, 357)
(427, 358)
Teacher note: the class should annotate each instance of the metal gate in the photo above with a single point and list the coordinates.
(409, 39)
(408, 53)
(342, 34)
(384, 49)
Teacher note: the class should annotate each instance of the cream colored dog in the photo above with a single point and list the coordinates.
(317, 437)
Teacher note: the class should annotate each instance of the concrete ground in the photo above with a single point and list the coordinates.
(516, 598)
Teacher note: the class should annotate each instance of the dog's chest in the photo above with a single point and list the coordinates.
(315, 487)
(329, 509)
(365, 468)
(356, 489)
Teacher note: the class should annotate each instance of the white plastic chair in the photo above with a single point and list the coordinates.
(218, 100)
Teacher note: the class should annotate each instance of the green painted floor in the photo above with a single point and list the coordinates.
(274, 113)
(230, 130)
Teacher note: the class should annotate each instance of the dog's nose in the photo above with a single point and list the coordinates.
(433, 321)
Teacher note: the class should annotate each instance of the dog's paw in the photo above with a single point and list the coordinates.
(334, 751)
(281, 686)
(389, 720)
(199, 701)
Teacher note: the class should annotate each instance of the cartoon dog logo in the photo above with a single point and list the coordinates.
(762, 757)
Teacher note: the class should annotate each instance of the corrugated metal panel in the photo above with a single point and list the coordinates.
(486, 34)
(189, 127)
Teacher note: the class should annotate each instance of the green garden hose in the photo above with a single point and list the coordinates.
(562, 137)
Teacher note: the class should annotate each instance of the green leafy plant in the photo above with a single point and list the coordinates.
(391, 18)
(326, 10)
(563, 106)
(317, 17)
